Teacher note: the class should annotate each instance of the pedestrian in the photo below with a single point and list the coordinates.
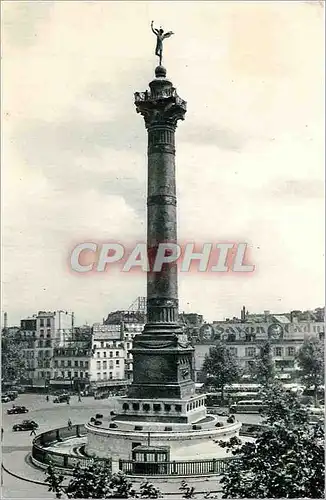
(1, 433)
(69, 424)
(33, 433)
(47, 398)
(79, 398)
(68, 400)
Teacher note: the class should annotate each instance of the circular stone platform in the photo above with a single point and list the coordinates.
(116, 438)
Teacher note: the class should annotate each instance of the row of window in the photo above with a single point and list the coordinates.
(44, 343)
(44, 354)
(107, 345)
(48, 332)
(105, 376)
(68, 363)
(111, 355)
(104, 364)
(69, 374)
(48, 322)
(43, 364)
(277, 351)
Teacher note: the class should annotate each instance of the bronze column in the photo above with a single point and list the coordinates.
(162, 360)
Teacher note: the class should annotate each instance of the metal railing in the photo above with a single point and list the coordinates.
(175, 468)
(41, 454)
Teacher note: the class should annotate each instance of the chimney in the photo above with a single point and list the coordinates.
(267, 314)
(5, 321)
(243, 314)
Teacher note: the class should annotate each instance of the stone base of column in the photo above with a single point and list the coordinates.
(169, 410)
(163, 364)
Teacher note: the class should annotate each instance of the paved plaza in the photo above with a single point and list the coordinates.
(17, 445)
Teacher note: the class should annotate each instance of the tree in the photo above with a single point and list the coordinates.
(220, 367)
(287, 458)
(91, 481)
(262, 368)
(12, 358)
(311, 363)
(55, 481)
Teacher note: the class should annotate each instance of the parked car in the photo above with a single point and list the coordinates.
(63, 398)
(20, 389)
(12, 395)
(25, 425)
(17, 409)
(5, 399)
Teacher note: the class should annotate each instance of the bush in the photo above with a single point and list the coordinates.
(98, 416)
(148, 490)
(231, 419)
(92, 481)
(97, 422)
(219, 424)
(188, 492)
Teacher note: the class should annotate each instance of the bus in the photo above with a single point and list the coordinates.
(248, 406)
(234, 392)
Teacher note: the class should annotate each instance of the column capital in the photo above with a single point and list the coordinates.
(160, 105)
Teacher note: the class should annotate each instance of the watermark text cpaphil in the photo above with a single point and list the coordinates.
(223, 257)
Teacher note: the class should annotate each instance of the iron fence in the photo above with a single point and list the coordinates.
(175, 468)
(42, 454)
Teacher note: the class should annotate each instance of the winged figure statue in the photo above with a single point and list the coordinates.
(160, 36)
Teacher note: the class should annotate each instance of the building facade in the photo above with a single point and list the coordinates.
(244, 340)
(41, 334)
(108, 354)
(129, 331)
(70, 367)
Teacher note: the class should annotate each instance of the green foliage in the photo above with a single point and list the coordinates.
(188, 491)
(12, 359)
(55, 481)
(91, 481)
(311, 363)
(262, 369)
(148, 490)
(220, 367)
(285, 461)
(121, 487)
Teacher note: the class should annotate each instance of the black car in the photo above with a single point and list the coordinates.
(17, 409)
(63, 398)
(12, 395)
(25, 425)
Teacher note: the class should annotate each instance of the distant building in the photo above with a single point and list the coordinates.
(129, 330)
(71, 367)
(108, 355)
(244, 340)
(41, 333)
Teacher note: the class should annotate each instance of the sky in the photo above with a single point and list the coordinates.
(250, 153)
